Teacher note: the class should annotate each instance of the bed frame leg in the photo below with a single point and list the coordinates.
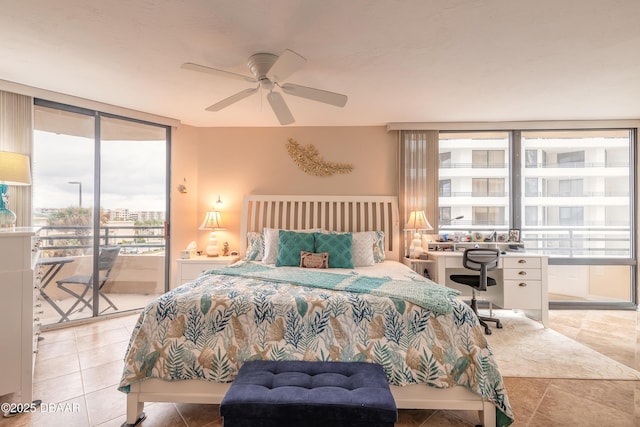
(488, 414)
(135, 414)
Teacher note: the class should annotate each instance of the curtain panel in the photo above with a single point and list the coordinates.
(16, 135)
(418, 176)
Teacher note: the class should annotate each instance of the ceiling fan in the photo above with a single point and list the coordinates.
(270, 71)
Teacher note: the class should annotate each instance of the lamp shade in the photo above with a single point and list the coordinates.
(14, 169)
(212, 221)
(418, 221)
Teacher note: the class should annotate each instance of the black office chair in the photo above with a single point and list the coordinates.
(106, 260)
(482, 260)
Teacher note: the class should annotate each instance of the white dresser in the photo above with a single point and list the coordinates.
(189, 269)
(18, 295)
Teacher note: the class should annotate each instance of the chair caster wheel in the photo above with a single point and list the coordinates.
(499, 325)
(487, 331)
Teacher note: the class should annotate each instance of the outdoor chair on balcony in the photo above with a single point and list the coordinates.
(106, 260)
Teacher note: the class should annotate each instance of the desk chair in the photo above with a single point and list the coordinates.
(482, 260)
(106, 260)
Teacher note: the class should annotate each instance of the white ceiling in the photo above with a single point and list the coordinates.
(397, 60)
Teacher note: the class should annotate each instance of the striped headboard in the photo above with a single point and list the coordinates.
(333, 213)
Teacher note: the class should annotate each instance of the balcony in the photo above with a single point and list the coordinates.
(137, 276)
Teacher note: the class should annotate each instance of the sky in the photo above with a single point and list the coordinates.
(133, 173)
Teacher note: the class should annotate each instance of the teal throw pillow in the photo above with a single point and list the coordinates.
(290, 243)
(339, 247)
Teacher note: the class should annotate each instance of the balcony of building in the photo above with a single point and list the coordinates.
(137, 275)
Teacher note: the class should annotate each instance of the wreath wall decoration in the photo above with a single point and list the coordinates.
(309, 160)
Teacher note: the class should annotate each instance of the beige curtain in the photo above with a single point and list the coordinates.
(16, 134)
(419, 176)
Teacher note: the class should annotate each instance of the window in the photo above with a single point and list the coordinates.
(593, 195)
(571, 160)
(445, 188)
(572, 215)
(445, 160)
(487, 187)
(570, 192)
(531, 187)
(477, 188)
(570, 187)
(531, 158)
(488, 158)
(445, 216)
(531, 215)
(488, 215)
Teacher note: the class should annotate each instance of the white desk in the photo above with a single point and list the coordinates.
(522, 281)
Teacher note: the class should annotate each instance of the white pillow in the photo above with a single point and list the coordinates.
(271, 243)
(362, 248)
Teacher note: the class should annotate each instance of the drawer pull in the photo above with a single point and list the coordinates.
(522, 273)
(522, 261)
(522, 285)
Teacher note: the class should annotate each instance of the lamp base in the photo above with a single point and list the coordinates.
(7, 217)
(212, 246)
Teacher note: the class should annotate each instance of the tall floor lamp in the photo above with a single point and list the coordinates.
(14, 170)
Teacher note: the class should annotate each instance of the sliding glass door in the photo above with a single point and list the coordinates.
(100, 195)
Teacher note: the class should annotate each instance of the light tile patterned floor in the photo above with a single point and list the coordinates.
(80, 366)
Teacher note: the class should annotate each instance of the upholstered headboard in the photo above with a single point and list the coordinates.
(333, 213)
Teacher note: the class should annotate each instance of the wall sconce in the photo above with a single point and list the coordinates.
(212, 221)
(14, 170)
(417, 221)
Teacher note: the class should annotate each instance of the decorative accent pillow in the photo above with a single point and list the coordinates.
(290, 244)
(378, 247)
(339, 247)
(255, 246)
(271, 243)
(311, 260)
(363, 248)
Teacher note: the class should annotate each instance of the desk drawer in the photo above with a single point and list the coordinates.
(522, 274)
(521, 262)
(524, 294)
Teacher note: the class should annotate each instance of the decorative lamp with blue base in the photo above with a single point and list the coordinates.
(14, 170)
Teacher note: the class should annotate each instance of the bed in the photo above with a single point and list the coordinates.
(188, 344)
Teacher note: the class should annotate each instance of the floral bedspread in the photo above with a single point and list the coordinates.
(207, 328)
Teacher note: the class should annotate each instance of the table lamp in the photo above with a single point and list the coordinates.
(417, 221)
(212, 221)
(14, 170)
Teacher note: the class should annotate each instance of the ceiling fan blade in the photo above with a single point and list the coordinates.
(232, 99)
(202, 69)
(327, 97)
(280, 108)
(286, 64)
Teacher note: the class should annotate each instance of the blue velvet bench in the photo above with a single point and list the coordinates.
(298, 393)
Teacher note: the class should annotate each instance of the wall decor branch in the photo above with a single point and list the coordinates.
(308, 159)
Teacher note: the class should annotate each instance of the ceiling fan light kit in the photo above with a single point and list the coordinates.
(270, 71)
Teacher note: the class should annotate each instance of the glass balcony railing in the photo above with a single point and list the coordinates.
(137, 276)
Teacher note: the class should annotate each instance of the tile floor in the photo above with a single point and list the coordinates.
(80, 367)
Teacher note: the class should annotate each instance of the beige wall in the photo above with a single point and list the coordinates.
(232, 162)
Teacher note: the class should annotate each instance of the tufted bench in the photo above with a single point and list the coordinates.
(297, 393)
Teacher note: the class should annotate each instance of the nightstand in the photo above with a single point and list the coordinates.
(189, 269)
(420, 266)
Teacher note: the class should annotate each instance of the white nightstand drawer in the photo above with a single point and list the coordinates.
(189, 269)
(524, 294)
